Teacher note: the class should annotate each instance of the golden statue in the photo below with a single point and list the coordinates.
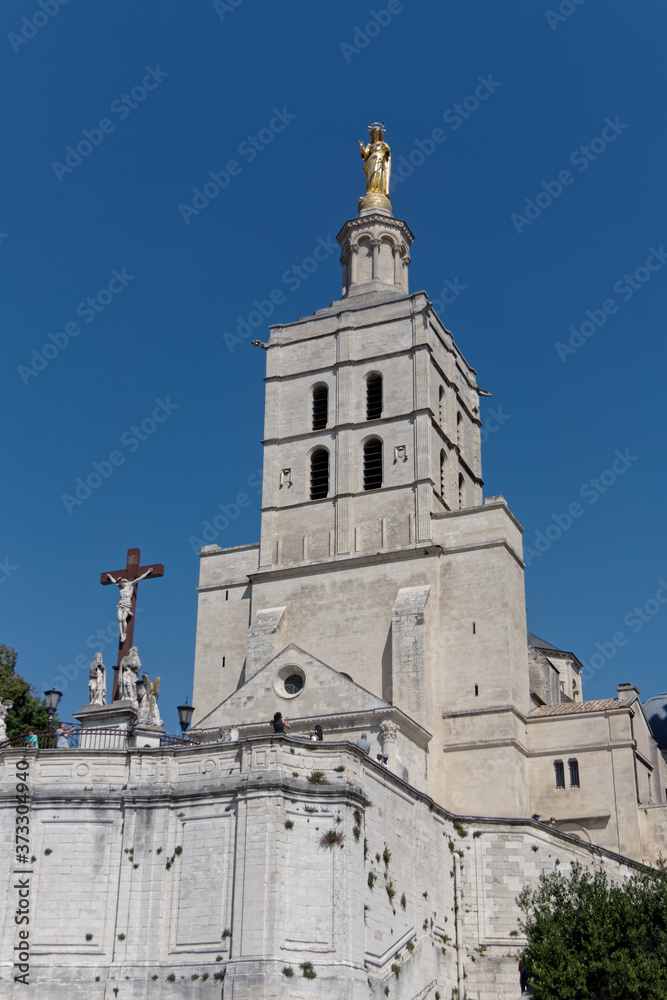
(377, 167)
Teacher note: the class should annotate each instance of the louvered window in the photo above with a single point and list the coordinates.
(443, 474)
(373, 397)
(462, 491)
(320, 407)
(373, 464)
(319, 474)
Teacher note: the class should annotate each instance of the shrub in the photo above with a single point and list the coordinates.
(307, 970)
(331, 838)
(317, 778)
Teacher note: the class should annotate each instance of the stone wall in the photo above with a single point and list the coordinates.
(154, 872)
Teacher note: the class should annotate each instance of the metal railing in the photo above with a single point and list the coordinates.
(98, 738)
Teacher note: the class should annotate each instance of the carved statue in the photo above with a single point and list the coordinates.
(97, 685)
(376, 156)
(149, 713)
(124, 606)
(4, 709)
(130, 666)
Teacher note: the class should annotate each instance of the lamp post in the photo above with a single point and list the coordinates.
(185, 715)
(52, 699)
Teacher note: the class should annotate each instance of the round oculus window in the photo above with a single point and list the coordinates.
(289, 681)
(293, 684)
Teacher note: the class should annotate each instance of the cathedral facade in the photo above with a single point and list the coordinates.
(385, 603)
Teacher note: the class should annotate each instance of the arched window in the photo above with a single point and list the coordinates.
(373, 464)
(443, 473)
(373, 397)
(459, 429)
(462, 490)
(441, 407)
(319, 474)
(320, 407)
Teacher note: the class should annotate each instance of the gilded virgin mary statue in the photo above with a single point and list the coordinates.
(377, 166)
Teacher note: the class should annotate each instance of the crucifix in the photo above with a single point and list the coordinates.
(127, 580)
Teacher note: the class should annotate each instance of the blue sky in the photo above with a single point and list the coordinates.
(546, 191)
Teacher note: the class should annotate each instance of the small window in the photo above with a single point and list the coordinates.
(373, 464)
(459, 429)
(373, 397)
(462, 490)
(319, 474)
(441, 407)
(559, 773)
(574, 773)
(320, 407)
(443, 473)
(476, 690)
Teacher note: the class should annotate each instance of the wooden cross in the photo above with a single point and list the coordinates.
(132, 572)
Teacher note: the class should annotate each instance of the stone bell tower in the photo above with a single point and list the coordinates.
(372, 413)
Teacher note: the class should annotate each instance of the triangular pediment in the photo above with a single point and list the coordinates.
(323, 691)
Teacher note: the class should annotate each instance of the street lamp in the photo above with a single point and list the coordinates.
(52, 699)
(185, 715)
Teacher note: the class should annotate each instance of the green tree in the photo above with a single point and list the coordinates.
(590, 939)
(27, 709)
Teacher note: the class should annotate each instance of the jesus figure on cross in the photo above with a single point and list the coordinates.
(126, 588)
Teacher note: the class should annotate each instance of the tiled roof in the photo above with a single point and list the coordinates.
(577, 707)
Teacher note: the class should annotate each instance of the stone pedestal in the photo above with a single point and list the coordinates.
(106, 727)
(146, 737)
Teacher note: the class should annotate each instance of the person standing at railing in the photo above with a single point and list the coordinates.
(62, 732)
(31, 740)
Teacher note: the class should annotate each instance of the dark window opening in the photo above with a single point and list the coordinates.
(574, 773)
(223, 661)
(226, 595)
(476, 690)
(293, 684)
(462, 484)
(474, 627)
(373, 464)
(441, 407)
(320, 407)
(373, 397)
(319, 474)
(443, 473)
(559, 773)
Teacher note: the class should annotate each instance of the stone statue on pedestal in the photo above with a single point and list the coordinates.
(149, 713)
(97, 685)
(4, 709)
(130, 666)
